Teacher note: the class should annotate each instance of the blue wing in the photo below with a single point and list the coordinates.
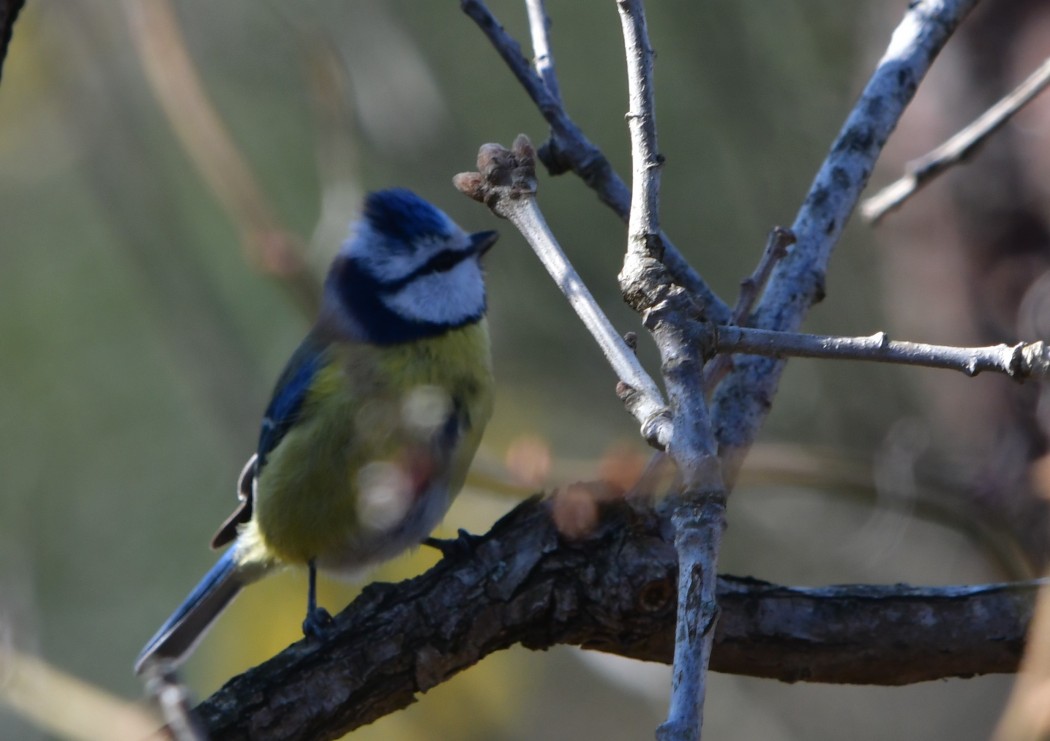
(286, 404)
(284, 410)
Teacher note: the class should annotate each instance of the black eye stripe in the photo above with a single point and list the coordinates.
(442, 262)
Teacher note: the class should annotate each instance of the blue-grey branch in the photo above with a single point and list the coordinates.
(698, 507)
(506, 183)
(957, 149)
(743, 399)
(1019, 361)
(576, 152)
(540, 31)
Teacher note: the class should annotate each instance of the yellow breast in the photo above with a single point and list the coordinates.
(384, 442)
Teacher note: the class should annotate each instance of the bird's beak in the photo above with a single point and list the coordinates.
(480, 242)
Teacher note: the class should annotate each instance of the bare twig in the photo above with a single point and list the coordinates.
(643, 223)
(751, 287)
(611, 589)
(1020, 361)
(569, 149)
(506, 182)
(698, 510)
(957, 149)
(543, 57)
(743, 399)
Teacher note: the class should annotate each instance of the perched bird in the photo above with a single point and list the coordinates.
(373, 422)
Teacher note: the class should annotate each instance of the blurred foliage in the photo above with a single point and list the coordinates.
(137, 342)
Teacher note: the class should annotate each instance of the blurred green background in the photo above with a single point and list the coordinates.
(138, 340)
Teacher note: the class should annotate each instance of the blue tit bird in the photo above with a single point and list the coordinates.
(373, 423)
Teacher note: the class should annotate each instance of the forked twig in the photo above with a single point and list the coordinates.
(742, 401)
(506, 183)
(682, 337)
(570, 149)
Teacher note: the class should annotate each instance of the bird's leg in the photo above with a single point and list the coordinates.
(462, 545)
(317, 618)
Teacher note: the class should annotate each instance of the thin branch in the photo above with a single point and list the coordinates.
(543, 57)
(1020, 361)
(744, 398)
(569, 149)
(643, 223)
(506, 182)
(698, 509)
(957, 149)
(751, 288)
(611, 589)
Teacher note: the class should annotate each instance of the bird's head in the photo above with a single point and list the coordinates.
(408, 270)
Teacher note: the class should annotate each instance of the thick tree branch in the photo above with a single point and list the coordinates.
(611, 589)
(744, 398)
(569, 149)
(957, 149)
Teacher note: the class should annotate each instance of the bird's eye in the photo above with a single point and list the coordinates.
(444, 261)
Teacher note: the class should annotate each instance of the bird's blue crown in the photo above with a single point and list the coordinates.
(402, 216)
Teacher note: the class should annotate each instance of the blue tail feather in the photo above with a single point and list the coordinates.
(188, 624)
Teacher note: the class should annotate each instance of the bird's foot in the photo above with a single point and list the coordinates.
(462, 545)
(317, 623)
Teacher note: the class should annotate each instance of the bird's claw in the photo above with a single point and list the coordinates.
(317, 623)
(462, 545)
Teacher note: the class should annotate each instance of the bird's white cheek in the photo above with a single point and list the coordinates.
(442, 298)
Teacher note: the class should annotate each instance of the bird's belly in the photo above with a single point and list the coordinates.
(345, 503)
(361, 478)
(368, 546)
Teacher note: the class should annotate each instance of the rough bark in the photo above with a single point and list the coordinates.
(609, 588)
